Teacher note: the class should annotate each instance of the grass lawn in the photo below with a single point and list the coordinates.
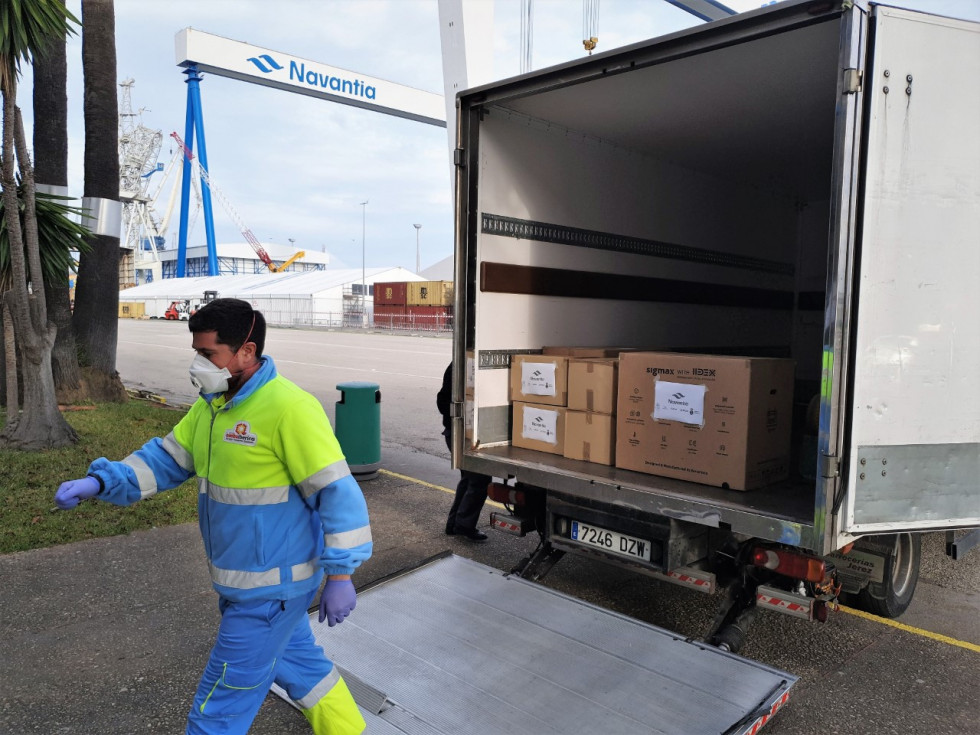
(29, 518)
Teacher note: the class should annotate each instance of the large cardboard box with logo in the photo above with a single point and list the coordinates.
(590, 437)
(539, 379)
(722, 421)
(539, 427)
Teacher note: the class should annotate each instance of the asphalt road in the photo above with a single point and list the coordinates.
(857, 675)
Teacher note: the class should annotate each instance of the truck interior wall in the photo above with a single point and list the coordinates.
(568, 181)
(571, 181)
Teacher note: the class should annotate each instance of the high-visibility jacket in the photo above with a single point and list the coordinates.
(277, 505)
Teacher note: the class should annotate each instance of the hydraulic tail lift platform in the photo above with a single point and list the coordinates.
(454, 646)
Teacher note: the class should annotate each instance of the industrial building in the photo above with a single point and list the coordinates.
(233, 259)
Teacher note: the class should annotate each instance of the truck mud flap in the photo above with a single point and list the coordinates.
(455, 646)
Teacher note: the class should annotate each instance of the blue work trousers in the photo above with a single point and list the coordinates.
(258, 642)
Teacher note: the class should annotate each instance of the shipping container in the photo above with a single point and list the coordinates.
(390, 293)
(390, 317)
(430, 318)
(132, 309)
(430, 293)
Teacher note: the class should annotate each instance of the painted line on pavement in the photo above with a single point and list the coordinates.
(909, 629)
(434, 487)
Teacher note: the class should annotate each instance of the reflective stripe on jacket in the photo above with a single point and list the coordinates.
(277, 505)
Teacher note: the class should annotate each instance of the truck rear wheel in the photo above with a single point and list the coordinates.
(891, 597)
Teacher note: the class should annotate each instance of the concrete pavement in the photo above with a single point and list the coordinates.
(109, 636)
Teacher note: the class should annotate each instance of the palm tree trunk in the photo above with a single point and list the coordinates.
(10, 365)
(97, 294)
(41, 424)
(37, 301)
(51, 168)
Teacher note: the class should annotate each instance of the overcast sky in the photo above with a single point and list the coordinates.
(298, 167)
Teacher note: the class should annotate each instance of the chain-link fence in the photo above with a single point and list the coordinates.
(299, 311)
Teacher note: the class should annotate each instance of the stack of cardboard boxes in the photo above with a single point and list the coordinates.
(564, 402)
(716, 420)
(539, 393)
(590, 423)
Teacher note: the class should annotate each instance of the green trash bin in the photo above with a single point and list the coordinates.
(358, 427)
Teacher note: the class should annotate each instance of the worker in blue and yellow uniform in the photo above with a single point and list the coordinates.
(278, 511)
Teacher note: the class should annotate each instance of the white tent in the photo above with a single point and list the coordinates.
(315, 298)
(444, 270)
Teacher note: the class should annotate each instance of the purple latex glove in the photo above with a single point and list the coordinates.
(73, 492)
(337, 600)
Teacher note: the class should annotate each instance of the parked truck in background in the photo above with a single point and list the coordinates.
(800, 181)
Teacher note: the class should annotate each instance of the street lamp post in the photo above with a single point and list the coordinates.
(363, 271)
(418, 253)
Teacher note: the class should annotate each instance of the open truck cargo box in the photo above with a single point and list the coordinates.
(798, 181)
(458, 647)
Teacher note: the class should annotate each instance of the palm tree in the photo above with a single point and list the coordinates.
(51, 169)
(59, 235)
(97, 291)
(27, 27)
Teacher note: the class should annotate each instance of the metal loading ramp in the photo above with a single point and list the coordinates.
(455, 646)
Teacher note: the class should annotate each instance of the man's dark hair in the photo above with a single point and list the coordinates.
(232, 319)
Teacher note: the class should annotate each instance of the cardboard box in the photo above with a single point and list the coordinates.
(580, 351)
(592, 385)
(539, 379)
(592, 352)
(590, 436)
(539, 427)
(723, 421)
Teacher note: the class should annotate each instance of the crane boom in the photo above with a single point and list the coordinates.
(246, 232)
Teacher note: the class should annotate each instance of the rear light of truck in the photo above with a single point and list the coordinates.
(506, 494)
(514, 525)
(790, 564)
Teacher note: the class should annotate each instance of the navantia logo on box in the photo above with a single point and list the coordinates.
(298, 72)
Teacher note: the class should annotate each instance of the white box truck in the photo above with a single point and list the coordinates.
(800, 181)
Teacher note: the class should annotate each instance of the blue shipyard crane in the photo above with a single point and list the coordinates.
(233, 213)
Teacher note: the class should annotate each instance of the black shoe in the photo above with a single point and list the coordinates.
(473, 535)
(450, 531)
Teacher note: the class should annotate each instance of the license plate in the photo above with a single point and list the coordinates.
(611, 541)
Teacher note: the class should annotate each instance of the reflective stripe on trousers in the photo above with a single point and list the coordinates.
(260, 642)
(336, 713)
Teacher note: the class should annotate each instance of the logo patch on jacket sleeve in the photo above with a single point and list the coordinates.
(241, 434)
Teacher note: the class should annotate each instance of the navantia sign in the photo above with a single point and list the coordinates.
(228, 58)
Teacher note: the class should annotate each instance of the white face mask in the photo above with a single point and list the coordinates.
(208, 377)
